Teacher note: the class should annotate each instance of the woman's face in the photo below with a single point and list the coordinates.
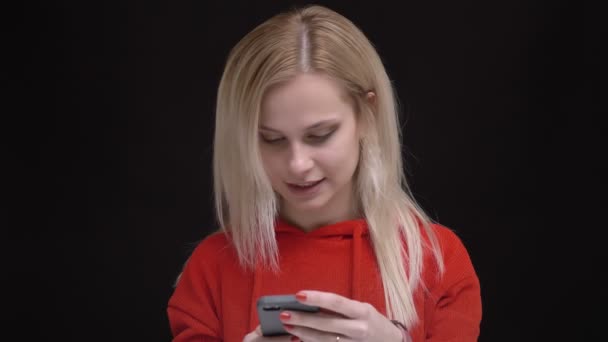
(309, 141)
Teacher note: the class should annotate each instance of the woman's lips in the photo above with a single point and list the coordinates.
(306, 188)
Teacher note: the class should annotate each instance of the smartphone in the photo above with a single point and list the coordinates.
(269, 308)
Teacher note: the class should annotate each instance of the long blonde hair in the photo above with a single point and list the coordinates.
(317, 39)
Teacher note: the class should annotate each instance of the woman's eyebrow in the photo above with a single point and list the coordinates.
(322, 123)
(313, 126)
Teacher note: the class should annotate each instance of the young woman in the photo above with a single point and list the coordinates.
(312, 200)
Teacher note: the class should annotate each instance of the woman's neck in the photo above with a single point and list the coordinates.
(330, 214)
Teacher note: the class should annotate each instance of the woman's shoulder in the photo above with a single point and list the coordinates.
(215, 247)
(457, 262)
(446, 234)
(215, 240)
(450, 243)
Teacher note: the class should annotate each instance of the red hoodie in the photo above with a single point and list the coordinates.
(215, 299)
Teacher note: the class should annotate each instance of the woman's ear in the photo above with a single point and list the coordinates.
(371, 98)
(365, 120)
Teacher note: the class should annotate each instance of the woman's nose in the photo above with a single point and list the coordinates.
(300, 159)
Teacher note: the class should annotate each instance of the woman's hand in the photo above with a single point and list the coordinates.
(256, 336)
(341, 319)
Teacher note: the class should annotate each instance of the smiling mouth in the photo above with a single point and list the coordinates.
(306, 184)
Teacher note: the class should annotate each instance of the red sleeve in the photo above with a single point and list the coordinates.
(193, 309)
(457, 297)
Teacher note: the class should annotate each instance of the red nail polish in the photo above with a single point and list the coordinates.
(301, 296)
(294, 339)
(288, 327)
(284, 316)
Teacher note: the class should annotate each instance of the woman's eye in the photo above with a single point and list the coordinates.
(320, 138)
(272, 140)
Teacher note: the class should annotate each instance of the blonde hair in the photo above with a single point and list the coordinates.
(317, 39)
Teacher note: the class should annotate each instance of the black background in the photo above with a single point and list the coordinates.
(111, 127)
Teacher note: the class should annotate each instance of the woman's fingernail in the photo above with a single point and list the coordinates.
(285, 315)
(288, 327)
(294, 339)
(301, 296)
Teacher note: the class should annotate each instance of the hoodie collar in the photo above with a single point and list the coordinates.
(355, 228)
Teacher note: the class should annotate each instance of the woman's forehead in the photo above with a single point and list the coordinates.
(306, 99)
